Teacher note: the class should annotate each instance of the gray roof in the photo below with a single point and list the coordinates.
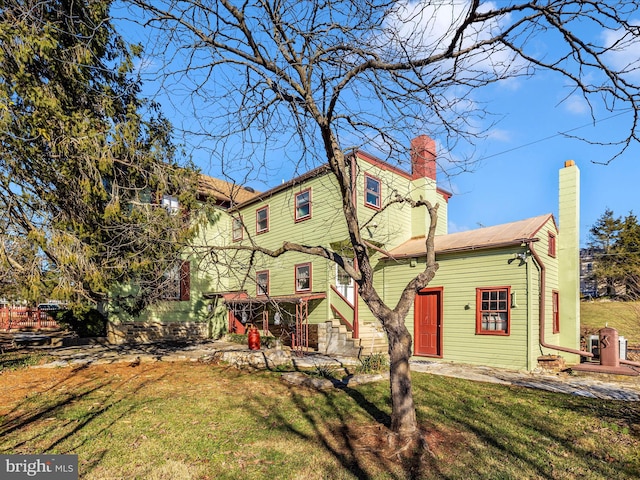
(489, 237)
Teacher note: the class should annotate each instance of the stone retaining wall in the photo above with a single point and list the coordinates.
(149, 332)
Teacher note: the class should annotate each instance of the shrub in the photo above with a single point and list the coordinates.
(86, 324)
(374, 363)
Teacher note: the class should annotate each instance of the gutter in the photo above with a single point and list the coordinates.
(541, 315)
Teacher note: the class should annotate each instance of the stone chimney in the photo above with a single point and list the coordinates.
(423, 157)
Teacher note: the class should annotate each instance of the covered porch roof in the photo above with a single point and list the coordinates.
(242, 298)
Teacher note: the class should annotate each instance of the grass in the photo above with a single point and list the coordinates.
(623, 316)
(195, 421)
(17, 360)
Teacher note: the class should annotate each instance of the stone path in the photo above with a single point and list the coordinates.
(612, 387)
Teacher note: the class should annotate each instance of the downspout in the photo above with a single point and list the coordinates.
(541, 314)
(356, 299)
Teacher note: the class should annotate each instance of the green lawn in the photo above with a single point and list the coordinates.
(623, 316)
(196, 421)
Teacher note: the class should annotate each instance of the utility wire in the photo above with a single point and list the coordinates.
(559, 134)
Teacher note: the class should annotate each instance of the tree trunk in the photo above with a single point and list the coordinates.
(403, 411)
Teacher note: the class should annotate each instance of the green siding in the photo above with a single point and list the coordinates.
(460, 275)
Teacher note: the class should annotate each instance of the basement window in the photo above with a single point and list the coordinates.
(493, 311)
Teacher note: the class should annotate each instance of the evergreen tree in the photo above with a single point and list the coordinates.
(83, 158)
(616, 248)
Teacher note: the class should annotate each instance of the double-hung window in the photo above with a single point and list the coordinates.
(372, 189)
(237, 229)
(303, 205)
(303, 277)
(262, 283)
(493, 311)
(262, 219)
(177, 282)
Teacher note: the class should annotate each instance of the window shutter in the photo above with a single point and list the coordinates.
(185, 281)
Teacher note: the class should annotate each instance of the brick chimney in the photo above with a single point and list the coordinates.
(423, 157)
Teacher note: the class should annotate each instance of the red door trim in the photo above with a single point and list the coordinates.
(439, 291)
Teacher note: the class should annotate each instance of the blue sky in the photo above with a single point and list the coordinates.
(518, 172)
(516, 175)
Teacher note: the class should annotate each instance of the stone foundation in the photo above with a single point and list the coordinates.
(552, 363)
(150, 332)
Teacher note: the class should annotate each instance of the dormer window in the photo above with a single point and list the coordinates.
(171, 204)
(372, 188)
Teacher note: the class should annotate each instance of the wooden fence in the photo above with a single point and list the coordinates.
(22, 318)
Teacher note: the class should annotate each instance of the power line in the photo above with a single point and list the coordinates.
(544, 139)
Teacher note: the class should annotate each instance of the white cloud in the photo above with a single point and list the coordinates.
(623, 55)
(424, 28)
(576, 104)
(499, 135)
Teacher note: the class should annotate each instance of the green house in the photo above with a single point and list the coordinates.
(502, 296)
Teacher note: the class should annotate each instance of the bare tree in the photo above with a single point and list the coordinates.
(319, 79)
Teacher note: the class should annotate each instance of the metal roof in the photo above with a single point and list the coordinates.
(488, 237)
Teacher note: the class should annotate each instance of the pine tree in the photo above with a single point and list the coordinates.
(82, 157)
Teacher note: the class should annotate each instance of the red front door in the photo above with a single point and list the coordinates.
(428, 323)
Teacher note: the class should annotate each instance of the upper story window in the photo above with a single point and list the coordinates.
(262, 283)
(552, 245)
(171, 203)
(262, 219)
(372, 188)
(237, 229)
(303, 205)
(303, 277)
(493, 311)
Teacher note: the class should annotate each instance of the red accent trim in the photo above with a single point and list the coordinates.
(265, 230)
(342, 318)
(295, 206)
(382, 165)
(306, 264)
(552, 244)
(335, 290)
(233, 229)
(440, 292)
(379, 194)
(499, 333)
(258, 293)
(555, 299)
(185, 281)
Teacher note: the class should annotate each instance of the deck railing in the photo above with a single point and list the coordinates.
(21, 318)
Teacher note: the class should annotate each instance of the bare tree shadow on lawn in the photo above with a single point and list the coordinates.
(49, 414)
(355, 431)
